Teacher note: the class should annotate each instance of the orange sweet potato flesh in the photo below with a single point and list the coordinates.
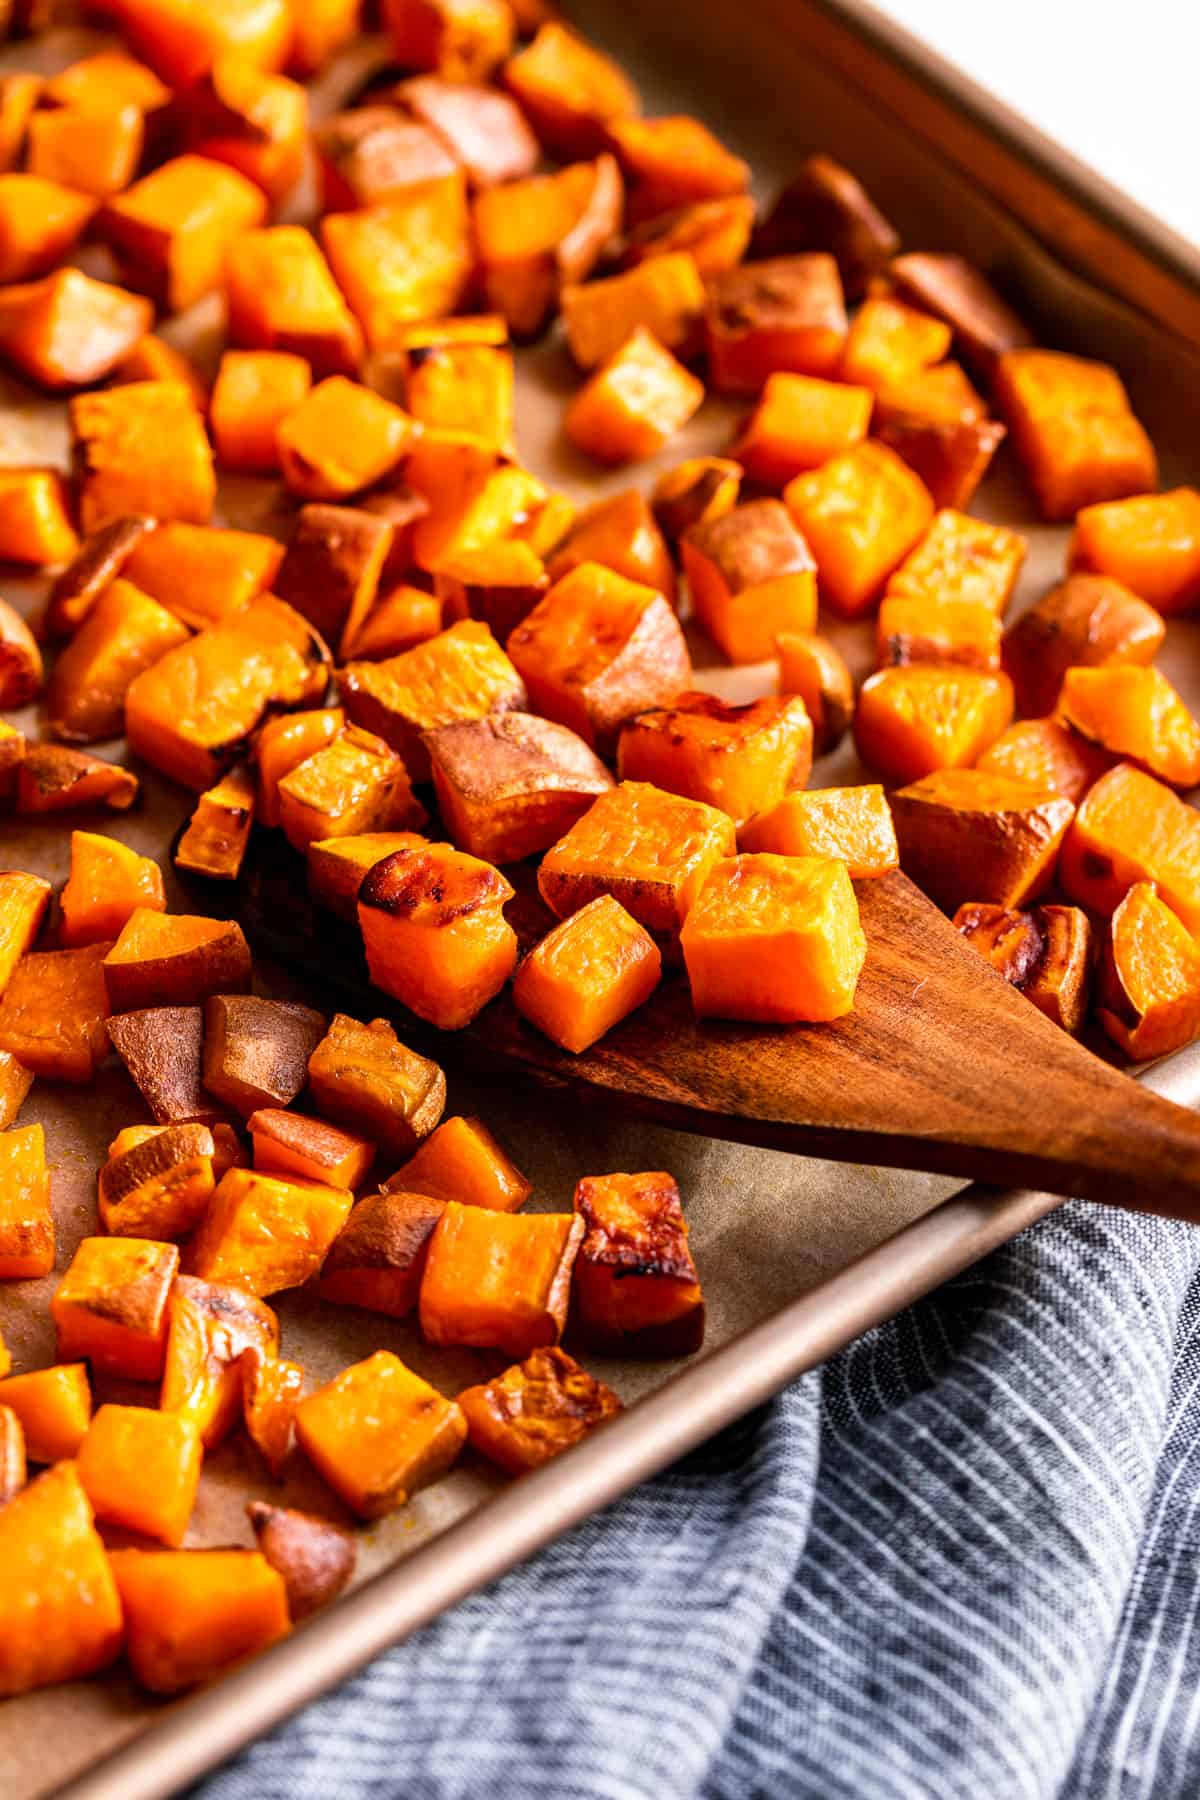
(378, 1258)
(377, 1432)
(218, 832)
(118, 439)
(52, 778)
(461, 1160)
(659, 302)
(1150, 543)
(174, 960)
(463, 387)
(786, 314)
(620, 533)
(210, 1326)
(912, 721)
(125, 632)
(636, 400)
(569, 91)
(588, 974)
(498, 1280)
(314, 1557)
(671, 161)
(288, 1143)
(271, 1390)
(1048, 754)
(107, 884)
(255, 391)
(15, 1083)
(54, 1406)
(888, 341)
(267, 1232)
(1078, 440)
(340, 439)
(13, 1468)
(536, 235)
(851, 824)
(23, 902)
(181, 41)
(366, 1079)
(255, 122)
(336, 866)
(100, 559)
(636, 1290)
(53, 1012)
(936, 422)
(743, 759)
(1087, 621)
(354, 785)
(201, 573)
(35, 518)
(68, 330)
(1128, 829)
(153, 359)
(800, 422)
(861, 514)
(961, 632)
(26, 1221)
(1134, 712)
(968, 835)
(751, 576)
(402, 259)
(1046, 953)
(816, 670)
(161, 1186)
(1148, 999)
(714, 233)
(170, 232)
(190, 1614)
(141, 1469)
(695, 492)
(110, 1308)
(463, 42)
(283, 744)
(535, 1410)
(282, 296)
(509, 785)
(63, 1620)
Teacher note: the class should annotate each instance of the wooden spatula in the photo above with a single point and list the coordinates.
(942, 1066)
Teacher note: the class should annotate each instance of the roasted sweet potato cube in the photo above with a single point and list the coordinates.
(537, 235)
(120, 441)
(13, 1466)
(953, 289)
(714, 233)
(1048, 754)
(1148, 993)
(536, 1409)
(403, 509)
(202, 573)
(174, 960)
(267, 1232)
(218, 832)
(751, 575)
(662, 298)
(483, 128)
(1046, 954)
(510, 785)
(1078, 440)
(15, 1083)
(961, 559)
(462, 40)
(336, 866)
(401, 618)
(193, 713)
(23, 902)
(314, 1558)
(588, 974)
(254, 121)
(961, 632)
(621, 533)
(462, 387)
(62, 1618)
(140, 1470)
(107, 884)
(775, 939)
(374, 153)
(210, 1326)
(281, 295)
(936, 423)
(160, 1186)
(378, 1258)
(861, 514)
(53, 1012)
(271, 1390)
(461, 1160)
(54, 1406)
(320, 28)
(100, 559)
(799, 423)
(825, 207)
(181, 40)
(12, 755)
(635, 401)
(1131, 828)
(51, 779)
(474, 499)
(912, 721)
(20, 92)
(340, 439)
(69, 330)
(816, 670)
(283, 744)
(636, 1291)
(41, 221)
(162, 1048)
(287, 1143)
(171, 231)
(853, 825)
(1151, 543)
(26, 1221)
(256, 1051)
(35, 518)
(355, 784)
(125, 632)
(191, 1614)
(153, 359)
(671, 161)
(498, 1280)
(598, 649)
(1134, 712)
(888, 341)
(110, 1308)
(965, 834)
(365, 1078)
(740, 758)
(402, 259)
(499, 584)
(1087, 621)
(377, 1433)
(255, 391)
(785, 314)
(570, 92)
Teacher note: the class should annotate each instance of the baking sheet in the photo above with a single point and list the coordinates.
(765, 1226)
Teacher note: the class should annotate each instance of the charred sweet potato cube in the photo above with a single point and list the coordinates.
(174, 960)
(125, 632)
(936, 423)
(53, 1012)
(267, 1232)
(288, 1143)
(912, 721)
(852, 824)
(598, 649)
(961, 559)
(193, 713)
(499, 584)
(120, 441)
(13, 1466)
(536, 1409)
(355, 784)
(962, 632)
(254, 121)
(378, 1258)
(540, 234)
(374, 153)
(461, 1160)
(271, 1390)
(498, 1280)
(484, 130)
(332, 568)
(35, 518)
(181, 40)
(110, 1308)
(26, 1222)
(634, 402)
(41, 221)
(510, 785)
(1087, 621)
(320, 28)
(255, 391)
(588, 974)
(1134, 712)
(107, 884)
(191, 1614)
(402, 259)
(825, 207)
(162, 1048)
(171, 231)
(140, 1470)
(813, 668)
(965, 834)
(751, 575)
(218, 832)
(1151, 543)
(620, 533)
(888, 341)
(314, 1558)
(256, 1051)
(663, 298)
(336, 866)
(861, 514)
(570, 92)
(799, 423)
(340, 439)
(435, 934)
(94, 149)
(1045, 953)
(714, 233)
(202, 573)
(54, 1406)
(1075, 433)
(672, 161)
(1148, 993)
(463, 388)
(20, 92)
(283, 744)
(53, 779)
(365, 1078)
(636, 1290)
(69, 330)
(23, 902)
(160, 1186)
(62, 1618)
(400, 619)
(1048, 754)
(210, 1327)
(15, 1083)
(740, 758)
(100, 559)
(462, 40)
(775, 939)
(281, 295)
(377, 1433)
(984, 325)
(785, 314)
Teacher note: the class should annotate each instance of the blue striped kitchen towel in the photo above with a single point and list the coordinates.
(961, 1560)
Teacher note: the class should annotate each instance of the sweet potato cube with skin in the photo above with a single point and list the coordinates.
(218, 833)
(53, 1012)
(961, 559)
(621, 533)
(536, 1409)
(1074, 431)
(1148, 993)
(52, 779)
(193, 713)
(202, 573)
(1087, 621)
(320, 28)
(252, 121)
(825, 207)
(171, 231)
(255, 391)
(210, 1328)
(20, 660)
(889, 341)
(634, 402)
(462, 387)
(181, 40)
(267, 1232)
(912, 721)
(599, 649)
(26, 1221)
(175, 960)
(23, 902)
(282, 296)
(484, 130)
(475, 500)
(1046, 954)
(751, 575)
(100, 559)
(191, 1614)
(287, 1143)
(110, 78)
(816, 670)
(125, 632)
(570, 92)
(162, 1047)
(107, 884)
(402, 259)
(271, 1390)
(1048, 754)
(461, 1160)
(94, 149)
(961, 632)
(537, 235)
(377, 1433)
(662, 298)
(340, 439)
(852, 825)
(462, 40)
(636, 1291)
(510, 785)
(799, 423)
(314, 1558)
(283, 744)
(140, 1470)
(373, 153)
(861, 514)
(160, 1186)
(336, 866)
(588, 974)
(1151, 544)
(110, 1308)
(365, 1078)
(953, 289)
(378, 1258)
(714, 233)
(15, 1083)
(54, 1407)
(120, 440)
(786, 314)
(740, 758)
(671, 161)
(13, 1467)
(498, 1280)
(60, 1613)
(968, 835)
(256, 1051)
(936, 423)
(12, 754)
(69, 330)
(35, 518)
(1134, 712)
(500, 585)
(355, 784)
(41, 221)
(435, 934)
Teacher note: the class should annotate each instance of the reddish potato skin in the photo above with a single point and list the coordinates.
(315, 1558)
